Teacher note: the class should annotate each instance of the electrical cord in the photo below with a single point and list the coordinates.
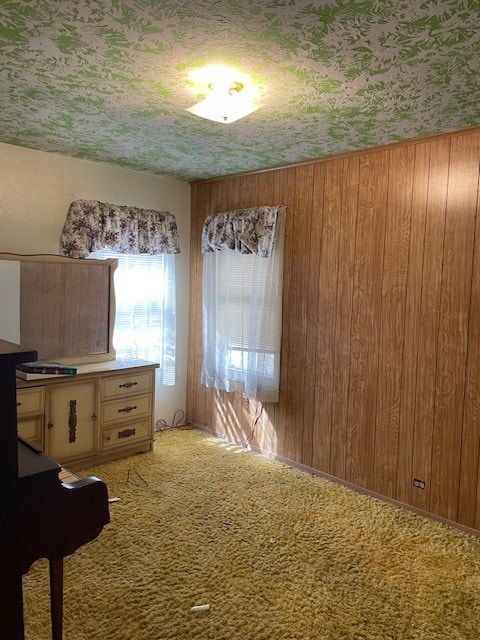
(253, 422)
(177, 423)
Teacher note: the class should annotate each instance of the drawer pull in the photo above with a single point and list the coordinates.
(19, 404)
(127, 385)
(72, 422)
(127, 409)
(126, 433)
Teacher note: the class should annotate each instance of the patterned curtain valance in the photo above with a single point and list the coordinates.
(244, 230)
(91, 225)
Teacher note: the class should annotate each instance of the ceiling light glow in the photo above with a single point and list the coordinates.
(229, 95)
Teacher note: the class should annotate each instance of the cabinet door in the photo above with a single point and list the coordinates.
(71, 420)
(30, 410)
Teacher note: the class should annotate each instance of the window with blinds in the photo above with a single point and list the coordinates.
(242, 318)
(145, 323)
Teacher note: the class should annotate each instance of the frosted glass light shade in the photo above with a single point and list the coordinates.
(225, 107)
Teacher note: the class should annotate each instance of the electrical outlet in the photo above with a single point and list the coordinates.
(420, 484)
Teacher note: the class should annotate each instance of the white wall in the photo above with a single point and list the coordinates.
(36, 189)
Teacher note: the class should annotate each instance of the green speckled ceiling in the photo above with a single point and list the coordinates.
(106, 80)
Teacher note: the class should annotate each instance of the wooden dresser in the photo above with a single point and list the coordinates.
(102, 413)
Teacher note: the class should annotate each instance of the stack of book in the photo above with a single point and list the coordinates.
(38, 370)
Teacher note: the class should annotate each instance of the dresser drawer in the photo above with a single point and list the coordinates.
(126, 409)
(125, 434)
(133, 383)
(30, 401)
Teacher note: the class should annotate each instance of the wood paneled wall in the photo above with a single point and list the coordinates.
(380, 378)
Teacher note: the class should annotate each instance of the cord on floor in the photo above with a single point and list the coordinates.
(177, 423)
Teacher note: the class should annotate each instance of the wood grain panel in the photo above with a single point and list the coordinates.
(344, 306)
(366, 319)
(412, 319)
(315, 253)
(469, 497)
(392, 324)
(453, 327)
(327, 299)
(299, 277)
(380, 359)
(284, 185)
(266, 189)
(429, 319)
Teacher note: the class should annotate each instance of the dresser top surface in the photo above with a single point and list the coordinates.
(119, 365)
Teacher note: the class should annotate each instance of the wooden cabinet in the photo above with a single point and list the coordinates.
(102, 413)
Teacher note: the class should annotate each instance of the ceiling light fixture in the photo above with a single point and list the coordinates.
(227, 99)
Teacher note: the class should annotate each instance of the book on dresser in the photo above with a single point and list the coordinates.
(38, 370)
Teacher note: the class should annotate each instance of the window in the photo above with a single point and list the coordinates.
(242, 316)
(145, 309)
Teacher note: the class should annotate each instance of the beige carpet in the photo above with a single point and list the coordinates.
(276, 553)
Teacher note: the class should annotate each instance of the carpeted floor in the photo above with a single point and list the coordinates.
(276, 553)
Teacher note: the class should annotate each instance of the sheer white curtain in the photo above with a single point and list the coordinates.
(242, 319)
(145, 309)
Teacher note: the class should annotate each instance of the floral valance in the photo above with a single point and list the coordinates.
(244, 230)
(91, 225)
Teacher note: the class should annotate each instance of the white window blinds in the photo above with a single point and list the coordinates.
(145, 309)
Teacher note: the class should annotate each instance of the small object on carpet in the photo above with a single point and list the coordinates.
(200, 607)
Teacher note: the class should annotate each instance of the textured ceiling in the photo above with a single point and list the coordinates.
(107, 80)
